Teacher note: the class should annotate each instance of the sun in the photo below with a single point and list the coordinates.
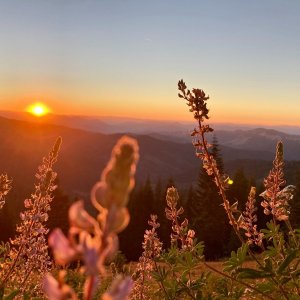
(38, 109)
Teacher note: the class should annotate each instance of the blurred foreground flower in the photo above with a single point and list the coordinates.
(119, 290)
(94, 240)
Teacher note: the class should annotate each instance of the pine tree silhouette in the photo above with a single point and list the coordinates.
(140, 208)
(207, 215)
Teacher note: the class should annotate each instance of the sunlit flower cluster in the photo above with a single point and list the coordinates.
(248, 220)
(276, 201)
(181, 233)
(29, 251)
(152, 248)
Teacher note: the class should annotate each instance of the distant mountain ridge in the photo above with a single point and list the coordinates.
(84, 154)
(261, 139)
(175, 130)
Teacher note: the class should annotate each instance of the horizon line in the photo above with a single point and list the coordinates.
(233, 123)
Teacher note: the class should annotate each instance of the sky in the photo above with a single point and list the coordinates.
(124, 58)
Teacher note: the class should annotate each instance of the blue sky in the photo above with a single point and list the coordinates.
(124, 58)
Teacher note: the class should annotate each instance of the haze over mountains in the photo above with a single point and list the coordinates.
(165, 129)
(165, 149)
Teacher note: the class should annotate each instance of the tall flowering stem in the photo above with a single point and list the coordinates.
(181, 233)
(152, 248)
(29, 251)
(5, 186)
(274, 203)
(276, 199)
(94, 240)
(197, 102)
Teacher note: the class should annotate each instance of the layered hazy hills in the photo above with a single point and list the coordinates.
(107, 125)
(261, 139)
(84, 153)
(173, 130)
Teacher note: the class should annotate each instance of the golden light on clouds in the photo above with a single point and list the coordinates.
(38, 109)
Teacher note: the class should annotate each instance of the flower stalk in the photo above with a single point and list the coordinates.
(94, 240)
(29, 250)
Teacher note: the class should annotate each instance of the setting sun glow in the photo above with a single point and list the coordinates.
(38, 109)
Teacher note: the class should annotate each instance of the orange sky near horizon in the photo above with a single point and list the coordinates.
(124, 58)
(161, 110)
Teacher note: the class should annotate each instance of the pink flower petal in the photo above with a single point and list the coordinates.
(51, 288)
(63, 252)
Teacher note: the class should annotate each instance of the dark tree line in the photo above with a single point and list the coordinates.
(203, 208)
(201, 202)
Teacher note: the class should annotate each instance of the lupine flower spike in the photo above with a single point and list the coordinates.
(181, 233)
(29, 251)
(276, 201)
(196, 100)
(95, 240)
(152, 247)
(248, 220)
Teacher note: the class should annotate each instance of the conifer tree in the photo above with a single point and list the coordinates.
(158, 197)
(158, 208)
(207, 215)
(59, 213)
(140, 207)
(188, 208)
(238, 191)
(240, 188)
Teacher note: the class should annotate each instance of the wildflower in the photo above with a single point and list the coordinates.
(248, 220)
(276, 201)
(94, 240)
(152, 248)
(5, 186)
(196, 100)
(29, 252)
(63, 251)
(58, 290)
(180, 230)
